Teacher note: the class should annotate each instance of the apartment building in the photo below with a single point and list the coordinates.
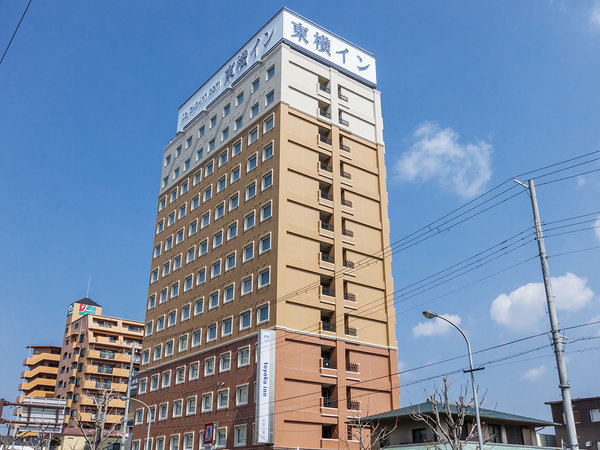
(95, 357)
(269, 318)
(41, 369)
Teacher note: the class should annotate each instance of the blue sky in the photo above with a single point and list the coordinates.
(472, 93)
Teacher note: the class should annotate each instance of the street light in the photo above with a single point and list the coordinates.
(124, 397)
(431, 315)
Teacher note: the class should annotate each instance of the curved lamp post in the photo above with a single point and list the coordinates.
(432, 315)
(149, 416)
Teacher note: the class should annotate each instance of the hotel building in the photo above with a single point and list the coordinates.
(269, 318)
(95, 357)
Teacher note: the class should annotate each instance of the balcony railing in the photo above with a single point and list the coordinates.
(349, 331)
(103, 384)
(328, 326)
(325, 113)
(102, 369)
(342, 97)
(326, 257)
(326, 167)
(350, 297)
(329, 363)
(329, 402)
(326, 226)
(326, 195)
(349, 264)
(344, 122)
(352, 367)
(107, 354)
(353, 405)
(344, 147)
(347, 232)
(347, 203)
(326, 290)
(324, 88)
(325, 139)
(345, 175)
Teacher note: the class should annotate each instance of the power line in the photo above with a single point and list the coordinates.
(15, 32)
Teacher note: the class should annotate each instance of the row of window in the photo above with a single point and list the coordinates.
(251, 164)
(220, 440)
(193, 340)
(267, 125)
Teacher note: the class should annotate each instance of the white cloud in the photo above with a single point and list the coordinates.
(595, 15)
(535, 373)
(597, 230)
(581, 181)
(524, 307)
(437, 154)
(435, 327)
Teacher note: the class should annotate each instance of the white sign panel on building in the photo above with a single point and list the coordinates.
(265, 386)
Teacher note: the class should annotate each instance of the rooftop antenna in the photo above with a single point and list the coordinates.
(87, 293)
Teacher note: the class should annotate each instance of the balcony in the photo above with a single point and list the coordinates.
(324, 139)
(349, 297)
(349, 331)
(329, 402)
(324, 113)
(327, 326)
(326, 167)
(347, 203)
(344, 122)
(349, 264)
(342, 97)
(325, 290)
(329, 363)
(347, 232)
(351, 367)
(327, 257)
(326, 196)
(345, 175)
(353, 405)
(324, 88)
(326, 226)
(344, 148)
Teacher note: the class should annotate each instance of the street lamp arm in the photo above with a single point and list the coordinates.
(149, 417)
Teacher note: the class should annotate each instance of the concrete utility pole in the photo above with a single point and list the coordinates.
(126, 415)
(557, 339)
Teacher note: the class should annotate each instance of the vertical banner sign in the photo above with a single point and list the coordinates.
(209, 433)
(265, 376)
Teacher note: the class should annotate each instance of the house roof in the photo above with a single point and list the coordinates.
(580, 399)
(87, 301)
(427, 408)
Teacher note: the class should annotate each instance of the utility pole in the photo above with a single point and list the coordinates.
(126, 415)
(557, 339)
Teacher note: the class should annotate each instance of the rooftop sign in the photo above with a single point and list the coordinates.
(299, 33)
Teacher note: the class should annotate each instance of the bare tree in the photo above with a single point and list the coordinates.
(449, 420)
(7, 439)
(102, 431)
(371, 435)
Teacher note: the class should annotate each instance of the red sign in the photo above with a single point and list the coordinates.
(209, 433)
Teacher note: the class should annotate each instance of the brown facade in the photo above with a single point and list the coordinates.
(587, 422)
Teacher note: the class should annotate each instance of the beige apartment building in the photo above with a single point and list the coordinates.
(41, 371)
(95, 357)
(270, 320)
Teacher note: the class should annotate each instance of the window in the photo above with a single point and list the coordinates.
(160, 226)
(162, 204)
(166, 270)
(167, 160)
(246, 287)
(222, 399)
(177, 408)
(201, 131)
(240, 99)
(199, 154)
(154, 383)
(268, 124)
(183, 343)
(157, 249)
(171, 218)
(250, 190)
(165, 181)
(228, 293)
(241, 395)
(237, 148)
(217, 239)
(149, 328)
(188, 144)
(226, 110)
(221, 437)
(179, 236)
(185, 312)
(166, 379)
(173, 196)
(199, 306)
(211, 146)
(210, 167)
(263, 313)
(270, 72)
(243, 356)
(203, 247)
(146, 357)
(222, 158)
(220, 210)
(264, 278)
(172, 318)
(227, 328)
(595, 415)
(231, 230)
(169, 348)
(253, 135)
(188, 283)
(169, 243)
(254, 110)
(201, 276)
(209, 366)
(213, 300)
(182, 211)
(139, 417)
(211, 332)
(194, 371)
(195, 202)
(239, 122)
(267, 180)
(197, 178)
(163, 411)
(265, 211)
(152, 301)
(190, 255)
(207, 194)
(215, 269)
(225, 134)
(190, 407)
(255, 85)
(174, 445)
(196, 338)
(213, 121)
(176, 173)
(234, 201)
(160, 323)
(205, 220)
(221, 183)
(251, 163)
(185, 185)
(245, 320)
(264, 243)
(193, 228)
(175, 289)
(267, 152)
(207, 402)
(235, 174)
(230, 261)
(270, 97)
(248, 252)
(249, 221)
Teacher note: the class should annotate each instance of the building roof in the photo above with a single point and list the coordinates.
(580, 399)
(427, 408)
(87, 301)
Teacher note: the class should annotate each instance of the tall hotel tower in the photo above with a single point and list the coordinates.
(270, 320)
